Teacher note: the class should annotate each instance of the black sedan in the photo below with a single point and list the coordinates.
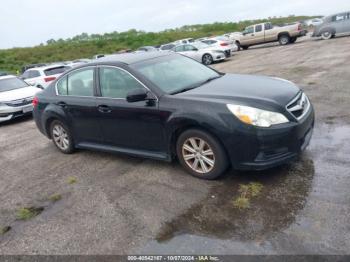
(164, 105)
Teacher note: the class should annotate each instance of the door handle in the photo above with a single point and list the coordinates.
(62, 104)
(104, 109)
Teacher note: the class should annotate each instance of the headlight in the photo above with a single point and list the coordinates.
(257, 117)
(218, 51)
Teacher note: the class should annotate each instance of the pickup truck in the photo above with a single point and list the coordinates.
(267, 33)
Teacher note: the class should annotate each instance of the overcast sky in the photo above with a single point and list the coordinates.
(31, 22)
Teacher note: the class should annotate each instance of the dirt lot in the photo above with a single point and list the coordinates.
(114, 204)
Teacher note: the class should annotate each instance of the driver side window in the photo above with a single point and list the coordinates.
(116, 83)
(249, 30)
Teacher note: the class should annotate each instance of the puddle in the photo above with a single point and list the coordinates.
(283, 195)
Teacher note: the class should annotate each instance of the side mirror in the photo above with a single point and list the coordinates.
(137, 95)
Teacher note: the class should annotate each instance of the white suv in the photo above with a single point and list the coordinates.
(43, 76)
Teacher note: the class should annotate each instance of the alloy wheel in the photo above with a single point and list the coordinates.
(60, 137)
(207, 59)
(198, 155)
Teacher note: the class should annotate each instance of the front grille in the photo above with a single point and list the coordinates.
(227, 53)
(299, 106)
(20, 102)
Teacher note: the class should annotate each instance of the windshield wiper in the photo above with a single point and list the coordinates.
(195, 85)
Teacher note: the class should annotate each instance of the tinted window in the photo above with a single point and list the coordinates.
(11, 84)
(55, 70)
(180, 48)
(258, 28)
(249, 30)
(268, 26)
(80, 83)
(173, 73)
(167, 47)
(190, 48)
(62, 86)
(31, 74)
(209, 42)
(339, 17)
(116, 83)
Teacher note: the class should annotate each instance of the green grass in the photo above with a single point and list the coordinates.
(28, 213)
(4, 230)
(55, 197)
(247, 192)
(85, 45)
(72, 180)
(241, 202)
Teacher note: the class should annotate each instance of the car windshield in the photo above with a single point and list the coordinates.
(174, 74)
(12, 83)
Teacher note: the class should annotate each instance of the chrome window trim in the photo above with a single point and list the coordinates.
(122, 69)
(105, 97)
(68, 73)
(301, 95)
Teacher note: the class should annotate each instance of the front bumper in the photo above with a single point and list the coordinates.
(266, 148)
(219, 56)
(10, 112)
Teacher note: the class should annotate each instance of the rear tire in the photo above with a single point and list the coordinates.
(201, 154)
(207, 59)
(284, 39)
(61, 137)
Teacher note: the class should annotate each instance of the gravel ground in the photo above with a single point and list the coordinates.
(125, 205)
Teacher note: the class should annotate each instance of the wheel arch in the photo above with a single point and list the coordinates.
(331, 29)
(285, 33)
(185, 125)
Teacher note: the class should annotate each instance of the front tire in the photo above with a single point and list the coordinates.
(207, 59)
(327, 35)
(201, 154)
(61, 137)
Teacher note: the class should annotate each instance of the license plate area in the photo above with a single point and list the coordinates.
(27, 109)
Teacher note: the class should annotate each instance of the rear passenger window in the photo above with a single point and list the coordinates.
(116, 83)
(258, 28)
(79, 83)
(62, 87)
(268, 26)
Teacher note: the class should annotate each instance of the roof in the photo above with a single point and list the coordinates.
(6, 77)
(132, 58)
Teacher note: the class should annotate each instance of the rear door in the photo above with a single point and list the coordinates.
(76, 97)
(259, 34)
(136, 125)
(270, 35)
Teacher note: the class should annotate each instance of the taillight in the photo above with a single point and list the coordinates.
(299, 27)
(35, 101)
(49, 79)
(224, 44)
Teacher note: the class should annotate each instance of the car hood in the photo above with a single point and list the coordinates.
(20, 93)
(235, 87)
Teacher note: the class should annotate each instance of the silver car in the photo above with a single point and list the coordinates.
(16, 97)
(201, 52)
(333, 25)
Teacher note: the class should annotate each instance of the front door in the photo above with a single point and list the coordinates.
(134, 125)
